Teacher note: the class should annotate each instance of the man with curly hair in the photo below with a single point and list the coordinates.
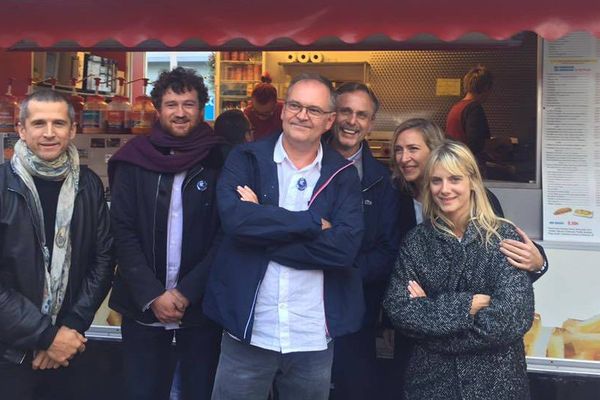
(165, 220)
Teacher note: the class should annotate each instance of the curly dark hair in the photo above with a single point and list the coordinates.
(179, 80)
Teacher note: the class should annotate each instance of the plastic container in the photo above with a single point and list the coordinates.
(78, 103)
(143, 114)
(118, 119)
(94, 113)
(8, 110)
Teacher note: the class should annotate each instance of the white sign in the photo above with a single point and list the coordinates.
(571, 139)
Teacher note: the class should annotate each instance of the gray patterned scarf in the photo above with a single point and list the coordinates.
(27, 165)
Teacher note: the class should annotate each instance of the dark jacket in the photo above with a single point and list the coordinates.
(408, 221)
(381, 239)
(139, 214)
(22, 325)
(258, 233)
(456, 355)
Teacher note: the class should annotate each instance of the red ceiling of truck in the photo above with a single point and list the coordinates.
(260, 23)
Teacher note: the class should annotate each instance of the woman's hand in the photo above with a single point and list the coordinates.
(246, 194)
(523, 255)
(479, 302)
(415, 290)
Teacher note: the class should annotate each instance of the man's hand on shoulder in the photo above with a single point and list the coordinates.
(67, 343)
(523, 255)
(168, 308)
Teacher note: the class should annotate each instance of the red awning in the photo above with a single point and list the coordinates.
(273, 24)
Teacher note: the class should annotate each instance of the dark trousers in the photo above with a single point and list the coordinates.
(149, 368)
(354, 372)
(21, 382)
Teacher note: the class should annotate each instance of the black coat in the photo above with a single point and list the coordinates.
(455, 355)
(139, 214)
(22, 326)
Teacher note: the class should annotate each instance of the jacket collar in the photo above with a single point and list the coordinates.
(372, 169)
(471, 233)
(262, 152)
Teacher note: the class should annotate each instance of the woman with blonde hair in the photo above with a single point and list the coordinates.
(455, 293)
(412, 143)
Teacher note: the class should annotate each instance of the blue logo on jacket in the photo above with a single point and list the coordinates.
(201, 185)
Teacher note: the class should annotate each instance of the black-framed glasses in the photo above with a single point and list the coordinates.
(312, 111)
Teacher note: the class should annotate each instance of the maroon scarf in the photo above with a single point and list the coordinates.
(153, 152)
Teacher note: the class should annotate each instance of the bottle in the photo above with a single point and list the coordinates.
(8, 110)
(143, 113)
(78, 102)
(19, 100)
(94, 112)
(118, 112)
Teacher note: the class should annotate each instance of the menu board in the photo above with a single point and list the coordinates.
(567, 323)
(571, 139)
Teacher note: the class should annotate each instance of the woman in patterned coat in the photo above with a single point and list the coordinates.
(455, 293)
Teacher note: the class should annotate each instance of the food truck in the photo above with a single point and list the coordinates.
(544, 111)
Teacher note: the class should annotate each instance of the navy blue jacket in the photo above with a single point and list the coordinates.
(381, 240)
(254, 234)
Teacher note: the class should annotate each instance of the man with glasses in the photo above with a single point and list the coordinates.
(283, 283)
(354, 368)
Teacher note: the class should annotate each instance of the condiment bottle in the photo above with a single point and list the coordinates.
(143, 113)
(94, 112)
(78, 103)
(118, 111)
(8, 110)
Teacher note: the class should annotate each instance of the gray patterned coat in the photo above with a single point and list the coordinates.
(456, 355)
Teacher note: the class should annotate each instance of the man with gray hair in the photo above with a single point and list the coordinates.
(56, 262)
(283, 283)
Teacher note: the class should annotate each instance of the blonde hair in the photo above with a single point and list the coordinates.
(458, 160)
(432, 134)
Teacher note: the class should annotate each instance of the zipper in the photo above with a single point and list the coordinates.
(327, 182)
(372, 184)
(37, 235)
(325, 311)
(154, 224)
(191, 178)
(37, 227)
(252, 309)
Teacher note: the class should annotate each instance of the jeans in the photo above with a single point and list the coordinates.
(148, 365)
(248, 372)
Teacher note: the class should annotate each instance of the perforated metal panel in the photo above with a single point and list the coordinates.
(405, 83)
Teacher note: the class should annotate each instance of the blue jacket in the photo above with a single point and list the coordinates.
(254, 234)
(381, 240)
